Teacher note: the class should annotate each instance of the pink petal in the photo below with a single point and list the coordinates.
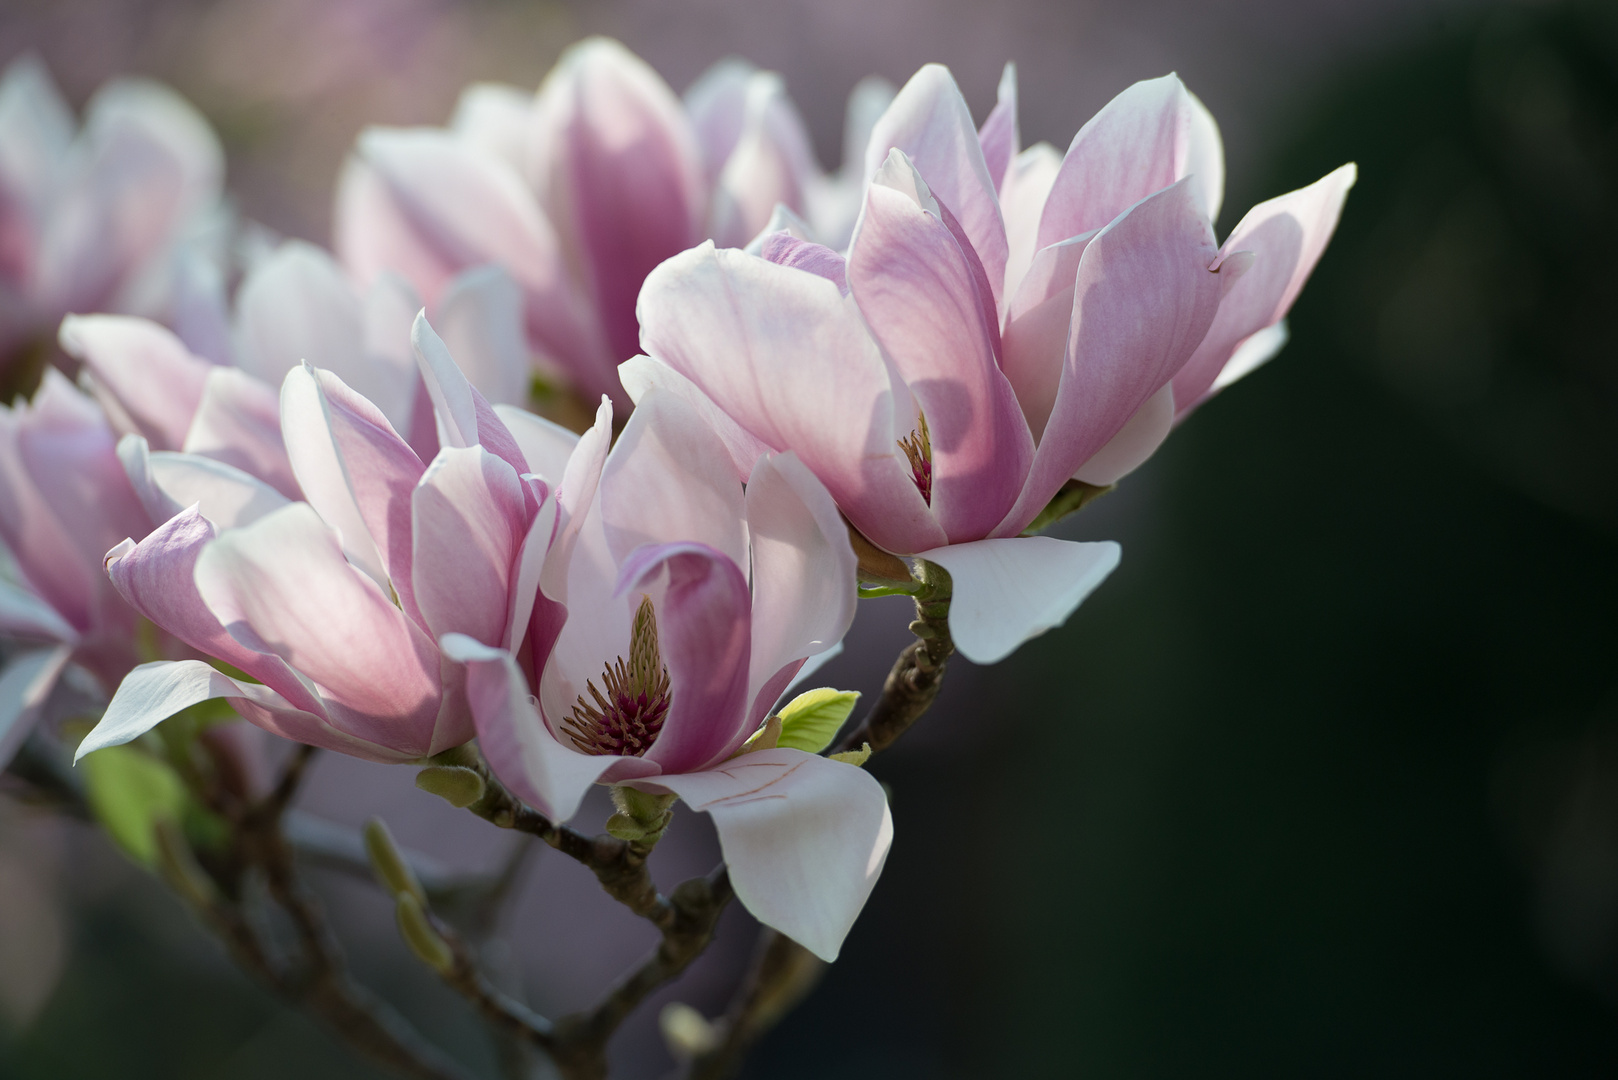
(1136, 441)
(716, 105)
(157, 578)
(480, 319)
(670, 479)
(1145, 139)
(469, 522)
(926, 300)
(805, 838)
(785, 355)
(428, 204)
(141, 372)
(465, 417)
(784, 249)
(282, 585)
(1022, 200)
(74, 501)
(1037, 323)
(641, 375)
(25, 685)
(549, 776)
(1007, 591)
(772, 164)
(998, 135)
(25, 615)
(355, 471)
(222, 493)
(238, 422)
(930, 122)
(1142, 301)
(619, 172)
(803, 573)
(1287, 236)
(703, 626)
(496, 119)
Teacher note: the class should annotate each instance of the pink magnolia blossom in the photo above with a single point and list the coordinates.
(297, 305)
(113, 217)
(692, 603)
(64, 499)
(580, 191)
(335, 605)
(1003, 321)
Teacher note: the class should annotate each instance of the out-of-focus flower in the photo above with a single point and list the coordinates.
(297, 305)
(64, 499)
(691, 605)
(580, 191)
(1003, 322)
(118, 216)
(333, 607)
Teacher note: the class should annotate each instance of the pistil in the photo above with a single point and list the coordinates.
(918, 447)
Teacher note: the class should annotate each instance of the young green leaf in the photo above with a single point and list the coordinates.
(809, 720)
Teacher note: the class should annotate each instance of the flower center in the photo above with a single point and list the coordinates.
(625, 715)
(919, 449)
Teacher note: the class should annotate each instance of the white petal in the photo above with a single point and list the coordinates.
(154, 692)
(1007, 591)
(805, 838)
(228, 497)
(545, 444)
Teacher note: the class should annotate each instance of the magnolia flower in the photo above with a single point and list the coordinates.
(109, 218)
(297, 305)
(64, 499)
(580, 191)
(333, 607)
(691, 605)
(1003, 322)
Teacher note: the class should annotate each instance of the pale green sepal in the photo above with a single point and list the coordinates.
(810, 720)
(854, 757)
(455, 784)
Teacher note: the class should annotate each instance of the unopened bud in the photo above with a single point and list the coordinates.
(641, 816)
(418, 932)
(389, 864)
(455, 784)
(686, 1031)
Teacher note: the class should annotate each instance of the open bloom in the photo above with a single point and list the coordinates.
(296, 305)
(691, 606)
(335, 605)
(1003, 322)
(108, 218)
(64, 499)
(580, 191)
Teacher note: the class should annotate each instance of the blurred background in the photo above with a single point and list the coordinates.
(1323, 781)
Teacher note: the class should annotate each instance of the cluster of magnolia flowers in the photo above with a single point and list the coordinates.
(305, 482)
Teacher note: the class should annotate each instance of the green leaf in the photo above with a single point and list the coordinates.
(809, 720)
(130, 792)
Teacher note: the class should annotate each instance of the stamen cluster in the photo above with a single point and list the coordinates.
(918, 447)
(625, 720)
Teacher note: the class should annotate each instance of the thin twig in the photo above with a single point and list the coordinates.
(783, 972)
